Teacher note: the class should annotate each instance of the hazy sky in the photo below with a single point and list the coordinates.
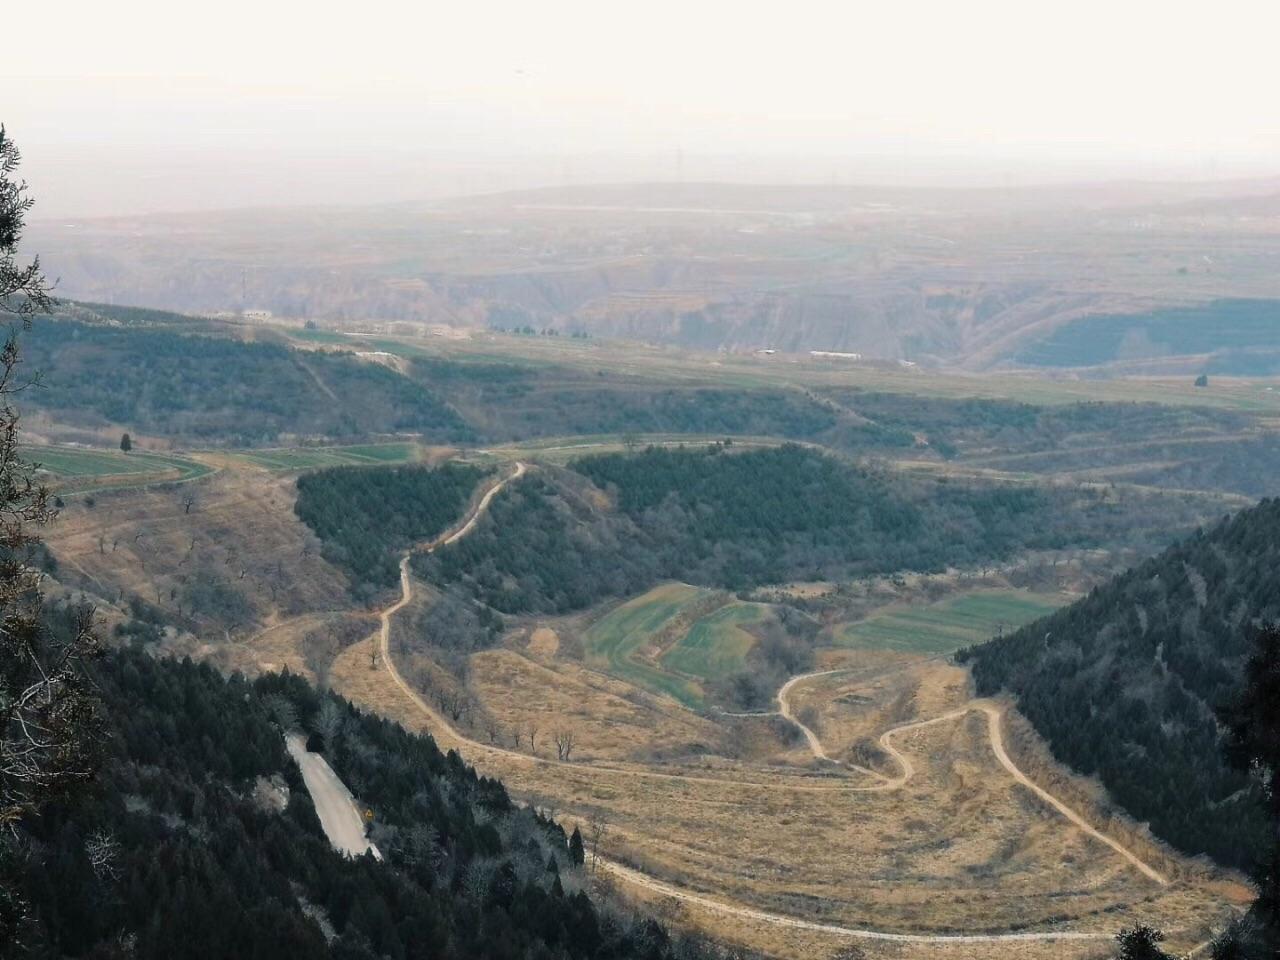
(138, 104)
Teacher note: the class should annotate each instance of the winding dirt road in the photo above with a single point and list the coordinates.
(642, 880)
(406, 587)
(636, 878)
(784, 710)
(995, 731)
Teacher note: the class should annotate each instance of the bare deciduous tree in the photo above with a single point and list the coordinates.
(328, 721)
(103, 851)
(453, 703)
(564, 744)
(597, 830)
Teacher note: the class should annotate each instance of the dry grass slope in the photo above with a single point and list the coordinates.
(234, 532)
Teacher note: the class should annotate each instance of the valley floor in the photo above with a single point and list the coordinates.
(875, 803)
(944, 843)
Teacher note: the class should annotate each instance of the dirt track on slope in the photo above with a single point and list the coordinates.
(995, 730)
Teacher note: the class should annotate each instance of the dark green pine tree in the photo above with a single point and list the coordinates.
(502, 890)
(1253, 725)
(50, 728)
(577, 852)
(1141, 943)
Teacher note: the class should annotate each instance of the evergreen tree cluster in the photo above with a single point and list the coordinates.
(737, 520)
(366, 516)
(1127, 683)
(178, 850)
(216, 389)
(541, 549)
(954, 426)
(533, 408)
(194, 379)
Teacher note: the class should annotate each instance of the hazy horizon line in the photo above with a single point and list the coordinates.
(155, 187)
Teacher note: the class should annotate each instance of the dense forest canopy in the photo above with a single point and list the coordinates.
(540, 548)
(737, 520)
(975, 426)
(1126, 683)
(547, 403)
(200, 840)
(217, 389)
(1239, 336)
(198, 381)
(365, 516)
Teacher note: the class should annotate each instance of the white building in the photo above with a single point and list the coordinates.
(834, 355)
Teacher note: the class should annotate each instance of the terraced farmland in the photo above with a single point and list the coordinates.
(71, 470)
(717, 645)
(312, 458)
(618, 640)
(948, 625)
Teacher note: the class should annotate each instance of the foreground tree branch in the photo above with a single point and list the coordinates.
(50, 730)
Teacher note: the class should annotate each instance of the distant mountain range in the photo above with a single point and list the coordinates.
(970, 279)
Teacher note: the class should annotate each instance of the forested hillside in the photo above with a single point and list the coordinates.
(365, 517)
(199, 840)
(974, 426)
(509, 403)
(542, 548)
(1239, 336)
(218, 389)
(198, 382)
(736, 520)
(1125, 684)
(194, 379)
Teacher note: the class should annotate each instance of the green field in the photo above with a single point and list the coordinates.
(717, 646)
(616, 638)
(76, 470)
(647, 363)
(565, 449)
(319, 336)
(948, 625)
(311, 458)
(89, 463)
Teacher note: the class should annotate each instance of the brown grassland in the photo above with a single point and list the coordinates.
(960, 848)
(742, 832)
